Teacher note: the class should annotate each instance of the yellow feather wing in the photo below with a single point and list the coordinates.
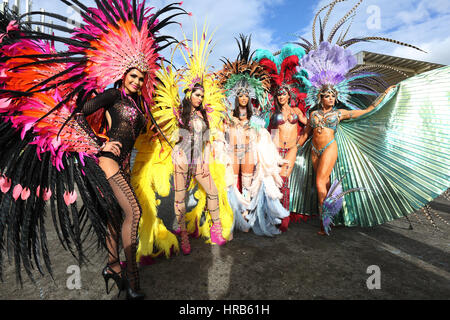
(151, 175)
(153, 169)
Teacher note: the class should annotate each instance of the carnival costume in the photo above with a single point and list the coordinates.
(183, 150)
(260, 199)
(45, 98)
(397, 156)
(285, 76)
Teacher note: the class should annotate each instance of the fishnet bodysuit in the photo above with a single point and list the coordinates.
(127, 121)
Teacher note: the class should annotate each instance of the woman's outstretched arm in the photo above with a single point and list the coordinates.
(353, 114)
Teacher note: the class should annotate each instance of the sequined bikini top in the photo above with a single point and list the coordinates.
(279, 119)
(330, 120)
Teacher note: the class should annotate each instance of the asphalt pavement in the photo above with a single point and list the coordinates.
(383, 262)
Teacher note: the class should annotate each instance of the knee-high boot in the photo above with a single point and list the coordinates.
(285, 202)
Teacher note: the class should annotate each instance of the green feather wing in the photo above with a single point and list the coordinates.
(400, 153)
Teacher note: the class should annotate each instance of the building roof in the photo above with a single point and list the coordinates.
(408, 67)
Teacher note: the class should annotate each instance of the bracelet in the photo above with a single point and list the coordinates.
(380, 98)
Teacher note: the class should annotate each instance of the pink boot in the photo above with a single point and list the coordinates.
(216, 233)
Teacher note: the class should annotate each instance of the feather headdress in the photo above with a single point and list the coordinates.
(197, 73)
(114, 37)
(333, 66)
(244, 75)
(284, 73)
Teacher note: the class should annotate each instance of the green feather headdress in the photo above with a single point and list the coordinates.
(244, 76)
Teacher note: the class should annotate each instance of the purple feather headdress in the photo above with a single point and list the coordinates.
(330, 63)
(329, 66)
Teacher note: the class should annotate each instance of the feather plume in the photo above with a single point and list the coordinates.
(244, 75)
(332, 65)
(284, 71)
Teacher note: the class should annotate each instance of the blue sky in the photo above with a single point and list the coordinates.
(288, 17)
(274, 22)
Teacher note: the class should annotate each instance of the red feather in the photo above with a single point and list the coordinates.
(286, 77)
(289, 69)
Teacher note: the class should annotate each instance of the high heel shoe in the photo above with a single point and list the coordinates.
(130, 292)
(216, 233)
(108, 273)
(322, 231)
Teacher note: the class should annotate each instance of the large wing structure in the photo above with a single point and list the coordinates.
(48, 157)
(399, 154)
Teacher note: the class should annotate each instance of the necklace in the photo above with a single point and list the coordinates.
(286, 108)
(322, 113)
(242, 112)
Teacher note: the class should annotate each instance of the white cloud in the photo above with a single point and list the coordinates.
(228, 19)
(419, 22)
(437, 51)
(418, 14)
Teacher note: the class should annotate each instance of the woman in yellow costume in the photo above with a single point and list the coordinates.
(186, 153)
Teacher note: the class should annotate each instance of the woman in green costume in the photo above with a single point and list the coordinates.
(395, 153)
(322, 125)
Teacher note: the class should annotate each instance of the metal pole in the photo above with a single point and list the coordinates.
(16, 6)
(29, 5)
(5, 5)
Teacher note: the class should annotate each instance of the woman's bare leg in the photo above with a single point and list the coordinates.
(325, 166)
(285, 173)
(181, 169)
(291, 156)
(212, 194)
(236, 169)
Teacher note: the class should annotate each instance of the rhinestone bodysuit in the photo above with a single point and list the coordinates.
(127, 121)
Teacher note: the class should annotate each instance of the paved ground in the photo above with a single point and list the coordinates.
(414, 264)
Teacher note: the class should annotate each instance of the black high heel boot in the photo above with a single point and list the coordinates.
(108, 273)
(131, 293)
